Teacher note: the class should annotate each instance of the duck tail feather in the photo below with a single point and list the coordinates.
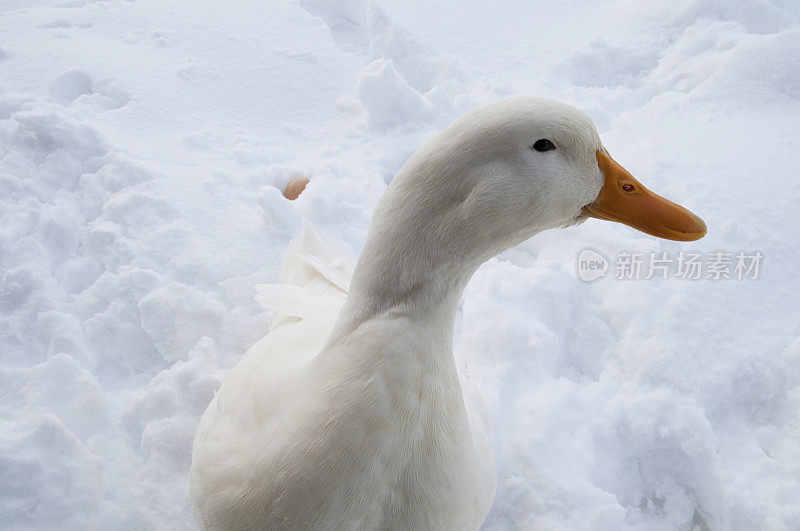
(314, 279)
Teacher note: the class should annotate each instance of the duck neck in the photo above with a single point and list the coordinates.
(426, 301)
(406, 286)
(416, 261)
(393, 344)
(425, 242)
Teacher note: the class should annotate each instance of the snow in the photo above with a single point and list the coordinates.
(143, 147)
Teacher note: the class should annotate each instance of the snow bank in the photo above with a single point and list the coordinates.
(142, 152)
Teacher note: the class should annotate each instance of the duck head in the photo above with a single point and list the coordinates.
(499, 175)
(541, 163)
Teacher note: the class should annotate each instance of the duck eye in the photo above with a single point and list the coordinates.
(543, 145)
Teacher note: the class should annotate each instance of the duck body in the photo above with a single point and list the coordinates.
(369, 431)
(349, 414)
(351, 418)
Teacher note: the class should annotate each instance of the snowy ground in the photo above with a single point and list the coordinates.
(143, 145)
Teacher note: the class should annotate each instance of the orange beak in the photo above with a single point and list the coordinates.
(625, 200)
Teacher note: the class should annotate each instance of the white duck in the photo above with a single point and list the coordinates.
(357, 420)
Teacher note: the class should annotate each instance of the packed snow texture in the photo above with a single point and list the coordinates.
(143, 147)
